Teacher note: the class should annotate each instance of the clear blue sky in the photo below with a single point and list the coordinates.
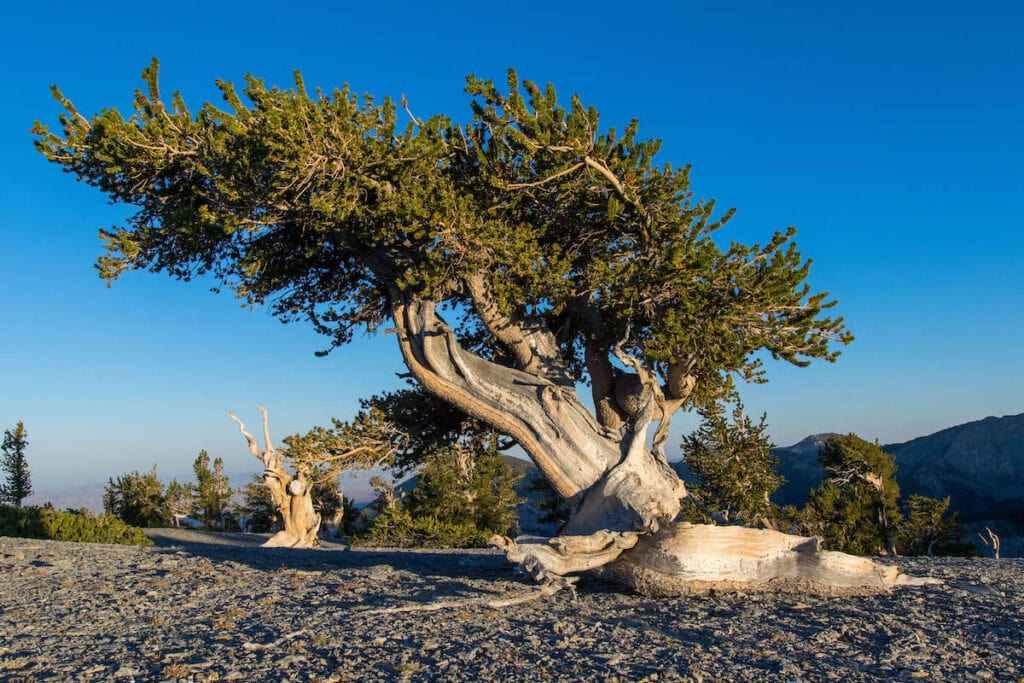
(890, 134)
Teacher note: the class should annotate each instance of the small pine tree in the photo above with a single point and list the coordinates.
(256, 511)
(213, 492)
(136, 499)
(855, 508)
(927, 529)
(468, 484)
(387, 495)
(18, 482)
(180, 500)
(464, 495)
(734, 467)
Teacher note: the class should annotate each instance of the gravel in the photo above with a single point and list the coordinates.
(208, 607)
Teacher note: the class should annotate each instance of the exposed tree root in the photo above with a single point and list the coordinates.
(688, 559)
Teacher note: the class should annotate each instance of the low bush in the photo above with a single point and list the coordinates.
(396, 528)
(75, 527)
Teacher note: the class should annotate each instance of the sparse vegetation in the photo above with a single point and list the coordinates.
(77, 527)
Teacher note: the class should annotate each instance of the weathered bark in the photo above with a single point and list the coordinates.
(684, 559)
(619, 484)
(292, 495)
(688, 559)
(626, 496)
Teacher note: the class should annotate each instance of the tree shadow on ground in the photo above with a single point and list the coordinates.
(246, 549)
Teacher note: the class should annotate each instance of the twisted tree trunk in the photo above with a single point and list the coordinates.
(624, 494)
(616, 482)
(291, 495)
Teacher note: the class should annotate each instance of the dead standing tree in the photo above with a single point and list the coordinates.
(292, 494)
(318, 456)
(569, 257)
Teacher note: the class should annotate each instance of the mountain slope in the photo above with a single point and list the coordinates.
(798, 464)
(980, 465)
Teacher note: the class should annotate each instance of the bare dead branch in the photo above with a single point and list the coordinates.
(253, 446)
(545, 181)
(266, 430)
(992, 541)
(547, 590)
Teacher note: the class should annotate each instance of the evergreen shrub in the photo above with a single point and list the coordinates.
(75, 527)
(397, 528)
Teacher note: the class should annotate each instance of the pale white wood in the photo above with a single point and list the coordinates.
(291, 494)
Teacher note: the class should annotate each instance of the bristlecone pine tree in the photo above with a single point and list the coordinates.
(855, 508)
(137, 499)
(17, 484)
(928, 528)
(464, 495)
(468, 484)
(733, 467)
(564, 254)
(317, 459)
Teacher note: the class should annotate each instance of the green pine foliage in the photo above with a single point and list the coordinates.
(137, 499)
(855, 509)
(397, 528)
(475, 489)
(322, 205)
(17, 483)
(180, 499)
(351, 522)
(45, 522)
(928, 528)
(329, 503)
(733, 467)
(213, 493)
(464, 495)
(845, 519)
(329, 208)
(552, 507)
(256, 509)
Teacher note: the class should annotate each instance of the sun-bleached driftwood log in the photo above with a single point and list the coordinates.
(291, 494)
(685, 559)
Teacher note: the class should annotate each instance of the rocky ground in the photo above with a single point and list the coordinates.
(216, 607)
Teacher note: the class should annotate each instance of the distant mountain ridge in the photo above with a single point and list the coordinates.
(980, 465)
(798, 464)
